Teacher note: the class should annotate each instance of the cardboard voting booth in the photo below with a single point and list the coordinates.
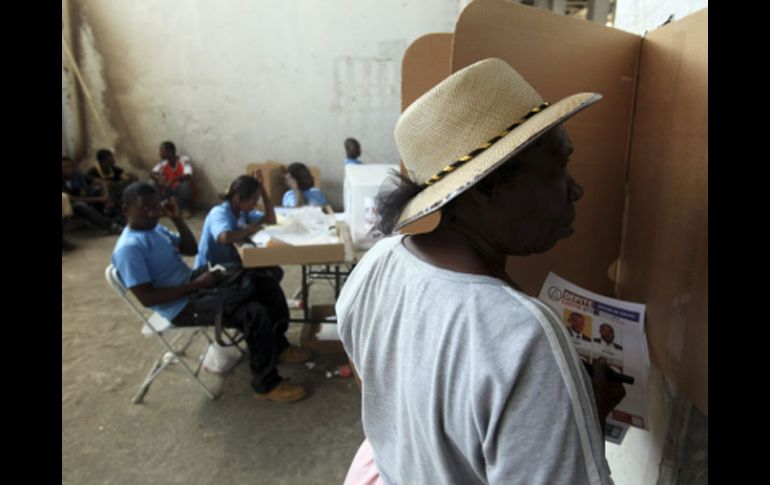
(640, 153)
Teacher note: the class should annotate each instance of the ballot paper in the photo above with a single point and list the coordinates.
(603, 327)
(303, 226)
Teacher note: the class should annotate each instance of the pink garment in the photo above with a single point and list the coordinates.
(363, 471)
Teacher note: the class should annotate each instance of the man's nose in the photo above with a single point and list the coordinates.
(574, 189)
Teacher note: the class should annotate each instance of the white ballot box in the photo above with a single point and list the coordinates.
(362, 182)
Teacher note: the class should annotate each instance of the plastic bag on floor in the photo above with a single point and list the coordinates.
(220, 360)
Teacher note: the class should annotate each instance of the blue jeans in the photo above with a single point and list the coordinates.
(263, 319)
(183, 194)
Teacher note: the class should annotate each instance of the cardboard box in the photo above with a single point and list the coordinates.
(278, 253)
(640, 154)
(281, 254)
(362, 182)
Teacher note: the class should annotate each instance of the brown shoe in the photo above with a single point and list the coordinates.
(283, 392)
(294, 355)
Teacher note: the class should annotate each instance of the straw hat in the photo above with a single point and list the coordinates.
(467, 126)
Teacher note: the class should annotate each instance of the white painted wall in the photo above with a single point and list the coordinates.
(239, 81)
(70, 112)
(638, 16)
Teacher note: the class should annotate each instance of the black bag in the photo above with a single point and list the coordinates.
(235, 287)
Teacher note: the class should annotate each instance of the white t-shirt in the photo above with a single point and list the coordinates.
(183, 159)
(465, 380)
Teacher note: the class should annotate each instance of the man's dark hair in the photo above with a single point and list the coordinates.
(396, 192)
(302, 175)
(136, 190)
(245, 186)
(168, 145)
(351, 143)
(103, 154)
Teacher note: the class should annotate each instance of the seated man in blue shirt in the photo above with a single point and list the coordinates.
(301, 191)
(352, 152)
(147, 257)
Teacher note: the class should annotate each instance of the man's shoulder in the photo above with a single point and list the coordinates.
(132, 237)
(379, 249)
(220, 212)
(129, 247)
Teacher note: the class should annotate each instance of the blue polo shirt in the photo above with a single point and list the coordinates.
(221, 219)
(152, 257)
(313, 196)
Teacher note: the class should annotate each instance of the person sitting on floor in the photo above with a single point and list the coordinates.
(89, 197)
(116, 178)
(173, 176)
(66, 213)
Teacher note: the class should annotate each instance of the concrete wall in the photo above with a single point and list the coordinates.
(246, 81)
(71, 137)
(638, 16)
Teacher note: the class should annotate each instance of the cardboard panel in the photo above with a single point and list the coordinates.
(426, 63)
(283, 255)
(560, 56)
(664, 259)
(275, 184)
(273, 177)
(278, 253)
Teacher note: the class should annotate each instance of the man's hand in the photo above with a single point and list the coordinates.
(608, 394)
(208, 279)
(171, 208)
(158, 178)
(252, 228)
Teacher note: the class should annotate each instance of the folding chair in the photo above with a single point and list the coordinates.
(162, 328)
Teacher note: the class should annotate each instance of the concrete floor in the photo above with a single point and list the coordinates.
(178, 435)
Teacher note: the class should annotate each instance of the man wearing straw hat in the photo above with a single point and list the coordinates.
(465, 379)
